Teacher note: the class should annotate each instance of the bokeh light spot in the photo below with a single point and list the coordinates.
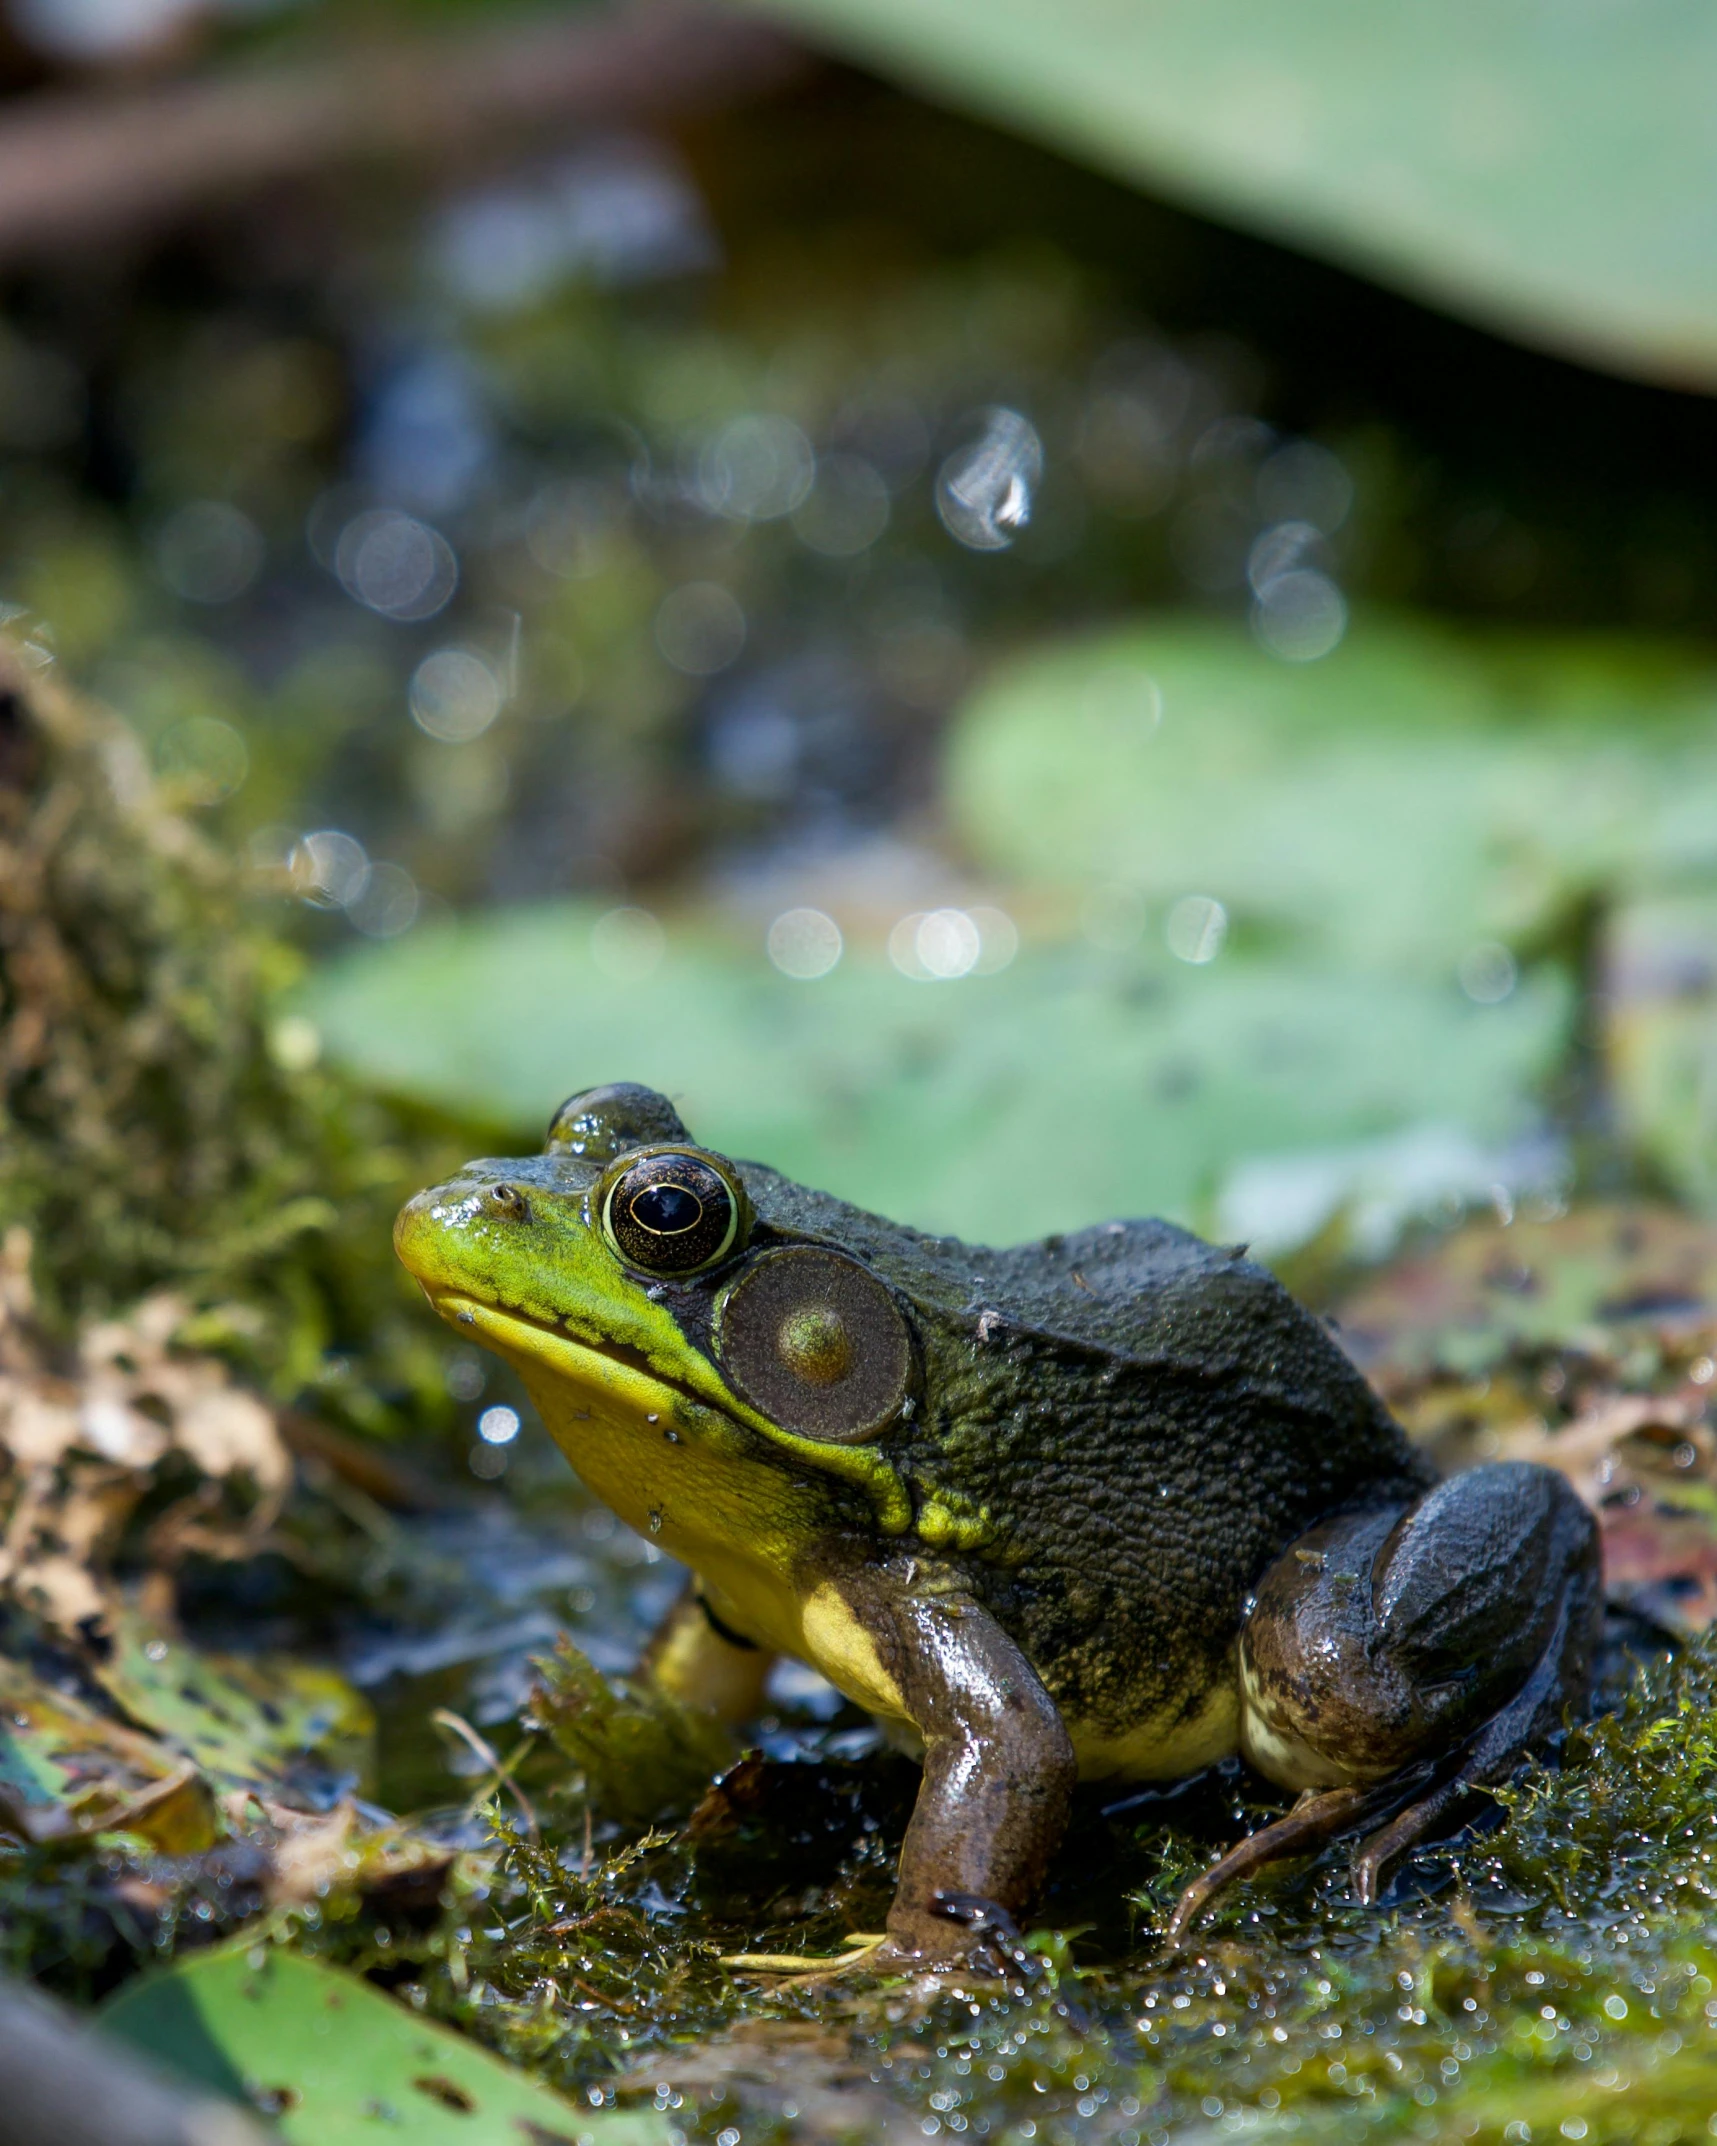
(205, 759)
(627, 944)
(1487, 973)
(936, 946)
(700, 628)
(294, 1043)
(454, 696)
(1299, 616)
(1302, 481)
(846, 510)
(208, 552)
(984, 490)
(328, 869)
(387, 904)
(1196, 928)
(998, 940)
(804, 943)
(756, 469)
(395, 564)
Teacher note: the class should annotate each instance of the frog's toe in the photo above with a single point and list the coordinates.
(1313, 1820)
(957, 1930)
(1373, 1855)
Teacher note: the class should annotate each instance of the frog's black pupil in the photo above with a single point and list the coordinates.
(667, 1209)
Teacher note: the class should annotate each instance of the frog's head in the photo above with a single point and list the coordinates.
(720, 1378)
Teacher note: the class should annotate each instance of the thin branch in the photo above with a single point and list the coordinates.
(82, 166)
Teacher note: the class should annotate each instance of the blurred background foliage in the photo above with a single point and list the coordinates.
(1011, 700)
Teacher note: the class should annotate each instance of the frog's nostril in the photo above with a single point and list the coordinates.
(512, 1200)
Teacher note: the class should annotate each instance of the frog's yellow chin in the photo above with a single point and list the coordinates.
(670, 1465)
(587, 1378)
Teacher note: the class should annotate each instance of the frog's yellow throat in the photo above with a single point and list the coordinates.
(681, 1472)
(685, 1477)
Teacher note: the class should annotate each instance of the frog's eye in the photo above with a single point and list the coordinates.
(671, 1213)
(817, 1343)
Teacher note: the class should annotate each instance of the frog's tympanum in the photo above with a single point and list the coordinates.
(1106, 1507)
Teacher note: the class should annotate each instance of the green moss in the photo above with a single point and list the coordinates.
(638, 1753)
(1551, 1972)
(159, 1124)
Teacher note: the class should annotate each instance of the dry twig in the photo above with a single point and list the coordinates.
(82, 166)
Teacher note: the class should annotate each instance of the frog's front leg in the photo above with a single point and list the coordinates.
(1400, 1656)
(998, 1761)
(699, 1659)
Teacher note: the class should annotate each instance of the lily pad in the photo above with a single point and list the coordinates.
(336, 2063)
(1074, 1085)
(1405, 801)
(69, 1773)
(1551, 172)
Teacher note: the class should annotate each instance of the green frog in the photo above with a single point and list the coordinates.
(1110, 1506)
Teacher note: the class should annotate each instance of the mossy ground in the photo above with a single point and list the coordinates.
(1552, 1975)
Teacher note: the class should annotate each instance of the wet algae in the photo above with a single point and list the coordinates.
(1553, 1975)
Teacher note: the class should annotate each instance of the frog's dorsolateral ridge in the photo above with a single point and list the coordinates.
(1111, 1506)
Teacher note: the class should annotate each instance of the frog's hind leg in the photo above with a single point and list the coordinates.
(1404, 1655)
(1528, 1718)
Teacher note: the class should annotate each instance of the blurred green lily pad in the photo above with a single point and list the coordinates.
(69, 1772)
(1403, 803)
(186, 1725)
(1551, 172)
(335, 2063)
(1074, 1085)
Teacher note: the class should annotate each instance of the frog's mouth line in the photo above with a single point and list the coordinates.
(599, 1367)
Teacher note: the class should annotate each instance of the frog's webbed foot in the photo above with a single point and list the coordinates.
(1404, 1656)
(956, 1930)
(1512, 1730)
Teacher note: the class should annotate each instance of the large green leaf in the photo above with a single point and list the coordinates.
(1073, 1086)
(1548, 167)
(339, 2064)
(1412, 794)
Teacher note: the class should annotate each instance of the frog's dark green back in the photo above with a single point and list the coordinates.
(1131, 1422)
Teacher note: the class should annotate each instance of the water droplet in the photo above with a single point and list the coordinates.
(984, 490)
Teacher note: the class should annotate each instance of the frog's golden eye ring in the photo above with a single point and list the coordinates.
(817, 1343)
(671, 1212)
